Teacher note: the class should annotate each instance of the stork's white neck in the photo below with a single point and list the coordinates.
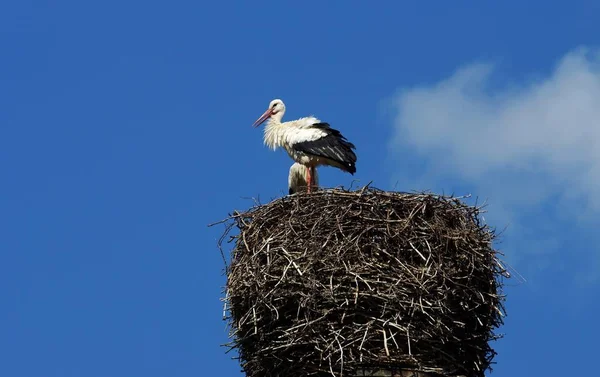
(274, 132)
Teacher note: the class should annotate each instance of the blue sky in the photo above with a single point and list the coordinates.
(126, 128)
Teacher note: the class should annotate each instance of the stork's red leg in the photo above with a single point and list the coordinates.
(308, 179)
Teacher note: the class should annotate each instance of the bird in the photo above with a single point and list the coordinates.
(308, 141)
(297, 178)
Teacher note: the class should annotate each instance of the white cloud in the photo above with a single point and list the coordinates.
(519, 145)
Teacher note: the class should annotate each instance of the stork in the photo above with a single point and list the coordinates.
(308, 141)
(297, 177)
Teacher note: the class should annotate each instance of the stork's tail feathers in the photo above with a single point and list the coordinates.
(348, 167)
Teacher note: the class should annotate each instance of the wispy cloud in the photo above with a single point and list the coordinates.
(532, 148)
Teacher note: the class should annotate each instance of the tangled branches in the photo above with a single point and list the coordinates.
(336, 282)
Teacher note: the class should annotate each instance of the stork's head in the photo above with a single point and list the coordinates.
(276, 110)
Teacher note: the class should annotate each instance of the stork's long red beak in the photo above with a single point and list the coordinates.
(263, 117)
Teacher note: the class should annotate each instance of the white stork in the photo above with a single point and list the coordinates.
(297, 178)
(308, 141)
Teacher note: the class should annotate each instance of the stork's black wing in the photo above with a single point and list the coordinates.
(332, 146)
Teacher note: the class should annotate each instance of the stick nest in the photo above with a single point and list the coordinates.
(330, 283)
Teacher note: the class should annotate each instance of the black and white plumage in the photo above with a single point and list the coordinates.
(308, 141)
(297, 179)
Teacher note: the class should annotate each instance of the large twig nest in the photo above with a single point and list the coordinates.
(333, 282)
